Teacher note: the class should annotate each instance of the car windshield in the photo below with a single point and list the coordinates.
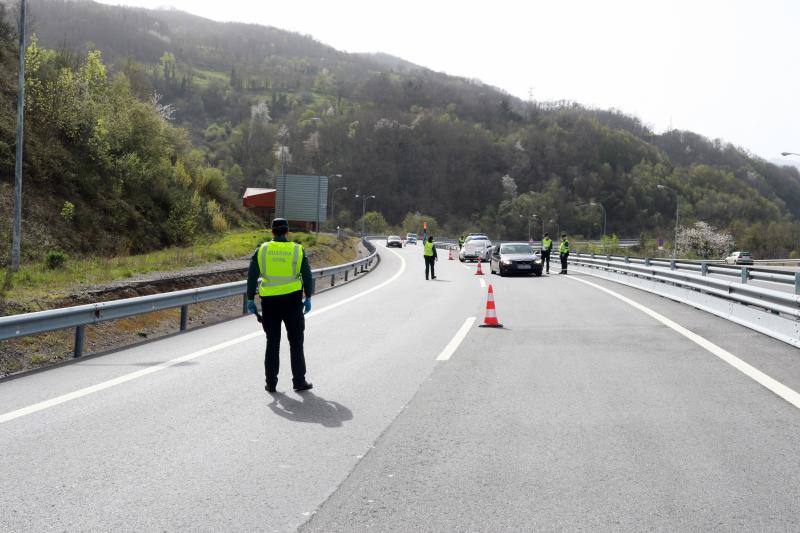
(478, 238)
(475, 245)
(394, 238)
(411, 236)
(744, 254)
(516, 249)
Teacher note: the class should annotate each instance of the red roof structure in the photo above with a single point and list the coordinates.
(255, 197)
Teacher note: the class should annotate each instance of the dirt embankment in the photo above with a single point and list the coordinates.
(39, 350)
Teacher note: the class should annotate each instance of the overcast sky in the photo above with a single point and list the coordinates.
(726, 69)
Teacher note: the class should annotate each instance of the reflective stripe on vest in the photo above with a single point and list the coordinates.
(279, 264)
(564, 248)
(429, 249)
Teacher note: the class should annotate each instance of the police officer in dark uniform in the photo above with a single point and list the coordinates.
(563, 250)
(547, 247)
(285, 275)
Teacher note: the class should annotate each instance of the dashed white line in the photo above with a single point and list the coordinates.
(763, 379)
(483, 282)
(455, 342)
(80, 393)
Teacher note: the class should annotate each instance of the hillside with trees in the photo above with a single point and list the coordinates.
(464, 154)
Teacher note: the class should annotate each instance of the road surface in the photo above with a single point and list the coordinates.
(584, 412)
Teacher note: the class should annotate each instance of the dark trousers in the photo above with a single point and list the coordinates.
(546, 260)
(287, 308)
(564, 262)
(430, 261)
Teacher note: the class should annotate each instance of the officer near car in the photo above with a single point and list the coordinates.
(563, 250)
(285, 276)
(431, 257)
(547, 247)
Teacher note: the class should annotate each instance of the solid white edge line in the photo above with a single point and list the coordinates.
(482, 282)
(80, 393)
(790, 395)
(455, 342)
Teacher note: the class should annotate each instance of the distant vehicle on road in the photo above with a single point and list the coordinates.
(394, 241)
(515, 258)
(739, 258)
(476, 249)
(411, 238)
(475, 236)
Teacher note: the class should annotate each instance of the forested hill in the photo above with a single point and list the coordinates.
(462, 152)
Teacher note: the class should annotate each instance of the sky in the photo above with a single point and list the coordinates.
(724, 69)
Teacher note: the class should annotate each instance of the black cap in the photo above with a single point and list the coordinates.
(280, 224)
(546, 233)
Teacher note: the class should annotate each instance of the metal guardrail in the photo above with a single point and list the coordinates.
(773, 312)
(788, 278)
(82, 315)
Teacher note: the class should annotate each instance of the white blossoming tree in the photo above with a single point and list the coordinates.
(704, 240)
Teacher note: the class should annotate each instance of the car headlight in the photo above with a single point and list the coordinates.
(537, 261)
(506, 261)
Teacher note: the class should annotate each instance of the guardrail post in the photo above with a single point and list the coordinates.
(647, 261)
(80, 336)
(333, 279)
(345, 274)
(627, 259)
(244, 304)
(745, 274)
(592, 255)
(797, 283)
(672, 264)
(704, 269)
(184, 317)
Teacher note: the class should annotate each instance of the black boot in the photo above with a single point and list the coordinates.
(303, 385)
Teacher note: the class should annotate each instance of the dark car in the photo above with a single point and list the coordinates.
(515, 258)
(394, 241)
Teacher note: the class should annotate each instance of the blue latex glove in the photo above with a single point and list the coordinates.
(251, 307)
(307, 305)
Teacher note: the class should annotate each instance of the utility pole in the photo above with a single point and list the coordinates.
(16, 238)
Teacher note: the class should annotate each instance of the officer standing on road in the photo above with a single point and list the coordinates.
(285, 274)
(563, 250)
(430, 258)
(547, 247)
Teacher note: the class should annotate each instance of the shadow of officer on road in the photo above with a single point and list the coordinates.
(312, 409)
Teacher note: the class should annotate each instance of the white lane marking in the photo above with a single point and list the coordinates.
(763, 379)
(80, 393)
(483, 282)
(455, 342)
(466, 267)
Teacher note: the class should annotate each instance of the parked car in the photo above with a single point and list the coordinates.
(515, 258)
(475, 236)
(739, 258)
(411, 238)
(476, 250)
(394, 241)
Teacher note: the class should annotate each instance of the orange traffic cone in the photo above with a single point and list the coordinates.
(479, 272)
(490, 319)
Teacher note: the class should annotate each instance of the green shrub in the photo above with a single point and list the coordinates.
(55, 260)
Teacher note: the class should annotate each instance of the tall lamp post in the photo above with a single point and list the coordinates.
(16, 233)
(677, 214)
(529, 217)
(333, 201)
(364, 198)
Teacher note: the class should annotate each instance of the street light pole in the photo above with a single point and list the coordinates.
(333, 200)
(364, 199)
(16, 234)
(677, 214)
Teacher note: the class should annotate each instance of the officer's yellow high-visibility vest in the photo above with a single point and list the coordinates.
(564, 247)
(428, 248)
(279, 263)
(547, 243)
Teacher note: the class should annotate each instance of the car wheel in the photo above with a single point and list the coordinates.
(502, 274)
(537, 273)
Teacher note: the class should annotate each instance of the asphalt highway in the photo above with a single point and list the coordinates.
(583, 412)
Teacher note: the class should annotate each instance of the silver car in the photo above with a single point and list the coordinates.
(476, 249)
